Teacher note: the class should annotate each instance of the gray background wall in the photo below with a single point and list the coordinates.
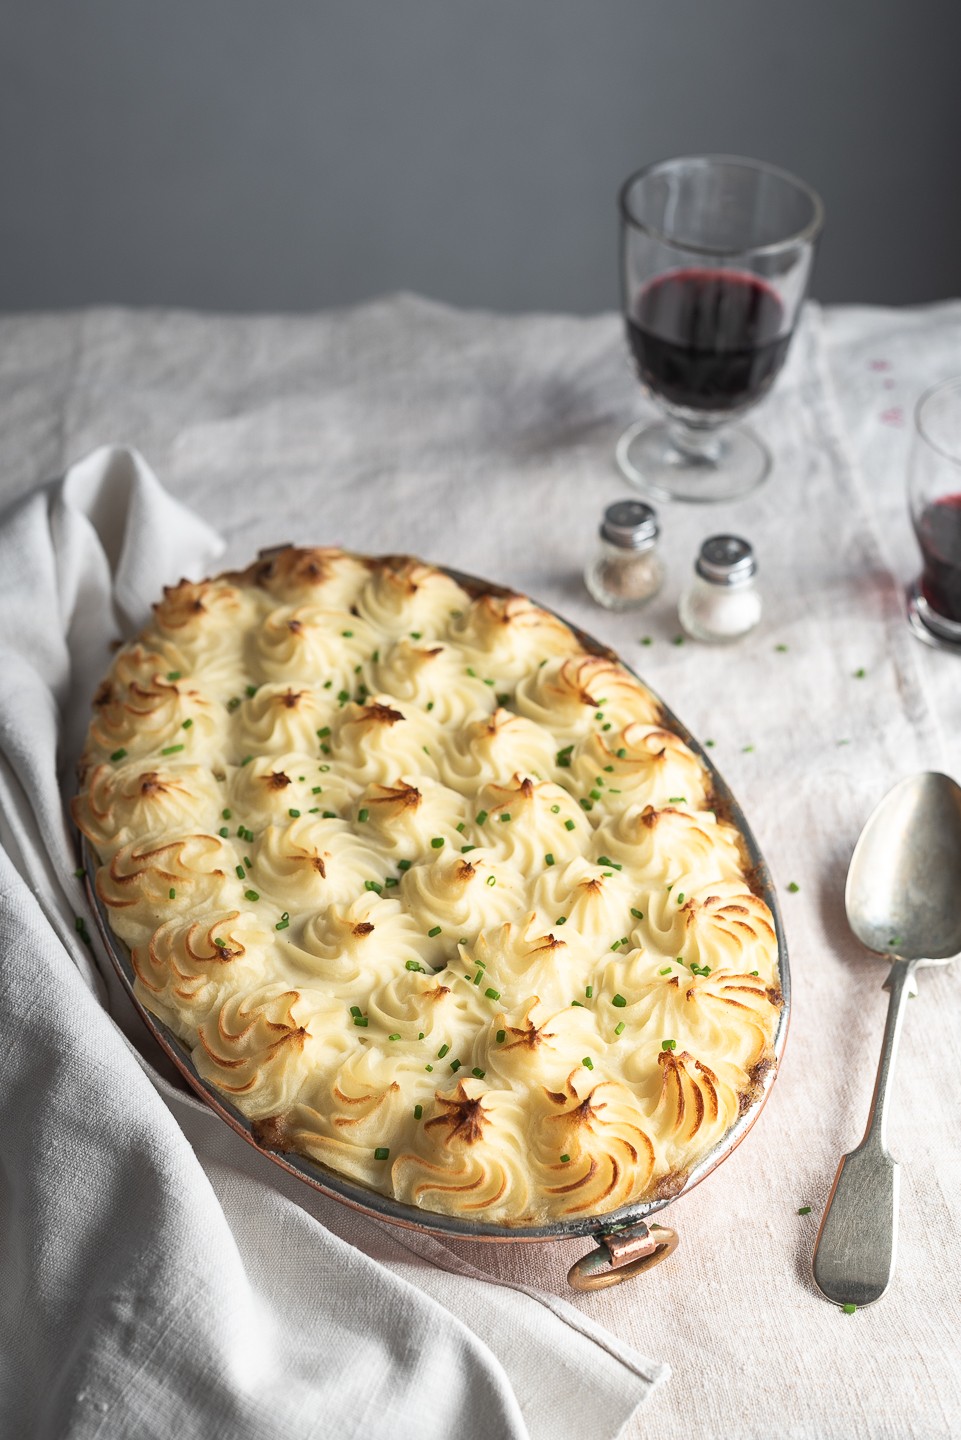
(279, 154)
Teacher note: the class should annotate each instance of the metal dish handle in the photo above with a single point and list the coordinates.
(622, 1254)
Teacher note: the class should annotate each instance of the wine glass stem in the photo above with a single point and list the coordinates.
(698, 445)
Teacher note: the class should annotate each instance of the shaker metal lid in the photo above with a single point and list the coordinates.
(630, 525)
(726, 560)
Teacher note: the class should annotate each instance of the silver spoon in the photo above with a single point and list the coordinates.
(903, 900)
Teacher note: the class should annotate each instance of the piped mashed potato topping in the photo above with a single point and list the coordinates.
(428, 892)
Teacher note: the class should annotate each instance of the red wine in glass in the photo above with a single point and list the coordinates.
(710, 340)
(938, 528)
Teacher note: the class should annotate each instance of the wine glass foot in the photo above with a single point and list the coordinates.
(929, 626)
(731, 463)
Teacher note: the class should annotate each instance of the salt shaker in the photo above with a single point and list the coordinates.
(626, 569)
(722, 602)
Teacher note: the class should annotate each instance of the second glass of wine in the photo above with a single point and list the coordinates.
(716, 256)
(934, 492)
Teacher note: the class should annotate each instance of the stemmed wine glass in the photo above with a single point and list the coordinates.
(716, 254)
(934, 493)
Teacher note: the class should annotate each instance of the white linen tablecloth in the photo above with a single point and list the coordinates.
(486, 443)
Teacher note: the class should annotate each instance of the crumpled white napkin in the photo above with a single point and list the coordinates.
(160, 1278)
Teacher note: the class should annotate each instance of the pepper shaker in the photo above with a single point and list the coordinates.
(626, 569)
(722, 603)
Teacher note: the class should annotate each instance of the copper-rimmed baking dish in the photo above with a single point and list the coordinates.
(628, 1240)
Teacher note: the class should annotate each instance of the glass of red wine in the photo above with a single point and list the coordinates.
(716, 254)
(934, 492)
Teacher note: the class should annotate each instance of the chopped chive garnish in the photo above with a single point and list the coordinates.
(488, 682)
(220, 944)
(234, 703)
(294, 814)
(363, 816)
(223, 832)
(481, 817)
(416, 634)
(414, 965)
(461, 827)
(435, 930)
(548, 858)
(587, 804)
(619, 1028)
(120, 754)
(568, 824)
(849, 1309)
(316, 789)
(860, 673)
(472, 673)
(805, 1209)
(666, 970)
(391, 882)
(324, 768)
(251, 895)
(680, 897)
(80, 874)
(618, 1001)
(755, 972)
(503, 699)
(780, 649)
(347, 634)
(428, 1067)
(361, 1020)
(430, 705)
(246, 760)
(240, 872)
(638, 914)
(171, 894)
(677, 800)
(589, 992)
(492, 994)
(588, 1063)
(595, 794)
(578, 1003)
(565, 1159)
(561, 920)
(668, 1044)
(492, 879)
(437, 842)
(393, 1037)
(501, 1036)
(466, 849)
(709, 744)
(555, 809)
(442, 1051)
(403, 864)
(455, 1065)
(283, 922)
(505, 817)
(794, 887)
(356, 1010)
(418, 1111)
(373, 885)
(382, 1151)
(187, 724)
(173, 674)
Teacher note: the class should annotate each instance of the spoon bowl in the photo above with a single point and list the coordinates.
(903, 901)
(903, 891)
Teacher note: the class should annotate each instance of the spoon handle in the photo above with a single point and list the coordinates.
(855, 1249)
